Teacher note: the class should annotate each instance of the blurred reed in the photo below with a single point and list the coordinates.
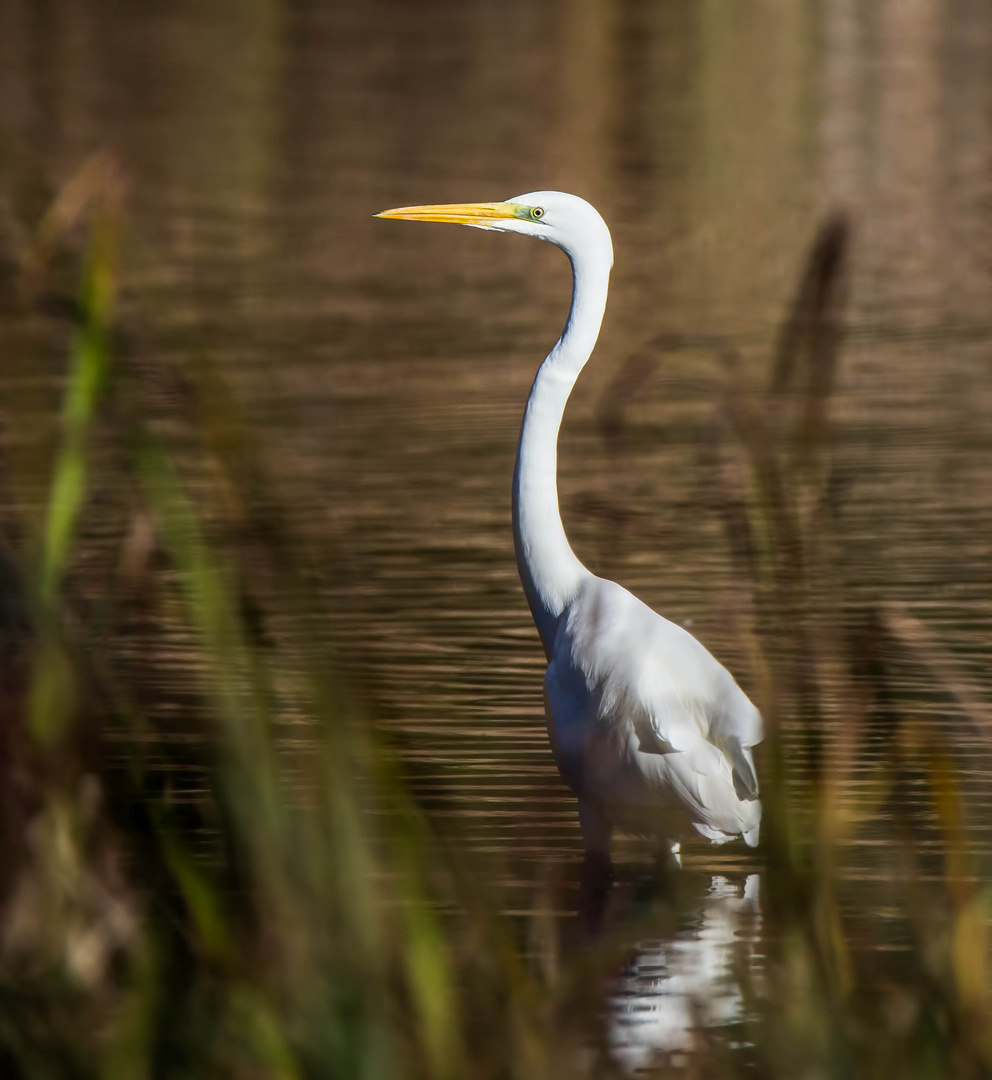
(285, 923)
(833, 1002)
(301, 916)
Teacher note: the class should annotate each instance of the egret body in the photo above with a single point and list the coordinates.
(647, 728)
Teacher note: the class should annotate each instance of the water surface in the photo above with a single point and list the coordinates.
(383, 366)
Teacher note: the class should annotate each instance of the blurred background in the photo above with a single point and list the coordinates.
(277, 798)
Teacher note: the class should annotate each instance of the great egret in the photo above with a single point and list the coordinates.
(647, 728)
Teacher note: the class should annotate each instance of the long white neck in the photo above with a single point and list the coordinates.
(549, 570)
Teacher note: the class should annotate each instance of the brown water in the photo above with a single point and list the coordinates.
(383, 366)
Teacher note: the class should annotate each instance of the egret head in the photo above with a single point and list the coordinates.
(555, 216)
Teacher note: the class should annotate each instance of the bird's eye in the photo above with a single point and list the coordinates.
(537, 212)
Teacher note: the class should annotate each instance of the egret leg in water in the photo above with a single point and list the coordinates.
(649, 730)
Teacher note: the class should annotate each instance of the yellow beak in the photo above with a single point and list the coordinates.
(459, 213)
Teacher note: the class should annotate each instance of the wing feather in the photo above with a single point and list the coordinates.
(644, 714)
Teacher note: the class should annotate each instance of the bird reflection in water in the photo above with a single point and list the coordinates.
(670, 990)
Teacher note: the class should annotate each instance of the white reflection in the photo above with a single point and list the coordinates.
(670, 989)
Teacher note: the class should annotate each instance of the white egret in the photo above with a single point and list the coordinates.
(647, 728)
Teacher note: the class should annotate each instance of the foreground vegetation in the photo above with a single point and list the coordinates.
(229, 878)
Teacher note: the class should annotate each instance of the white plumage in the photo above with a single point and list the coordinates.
(644, 721)
(647, 728)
